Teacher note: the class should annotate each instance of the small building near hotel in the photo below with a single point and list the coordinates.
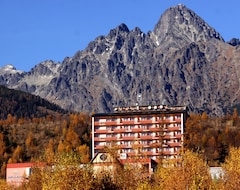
(17, 173)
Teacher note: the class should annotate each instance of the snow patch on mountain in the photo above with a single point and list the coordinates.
(9, 69)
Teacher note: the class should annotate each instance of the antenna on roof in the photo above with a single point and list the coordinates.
(139, 99)
(163, 102)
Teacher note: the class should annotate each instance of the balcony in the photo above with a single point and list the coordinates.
(131, 153)
(154, 145)
(156, 138)
(149, 121)
(156, 153)
(97, 139)
(136, 130)
(157, 145)
(122, 146)
(101, 131)
(128, 122)
(164, 121)
(154, 129)
(121, 130)
(127, 138)
(174, 128)
(167, 152)
(148, 153)
(178, 120)
(174, 144)
(109, 123)
(97, 123)
(168, 137)
(178, 136)
(111, 138)
(137, 146)
(99, 147)
(146, 137)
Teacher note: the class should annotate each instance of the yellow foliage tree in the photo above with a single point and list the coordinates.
(60, 147)
(84, 153)
(2, 147)
(49, 152)
(66, 174)
(231, 168)
(187, 172)
(72, 140)
(17, 155)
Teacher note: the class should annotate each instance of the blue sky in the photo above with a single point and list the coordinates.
(35, 31)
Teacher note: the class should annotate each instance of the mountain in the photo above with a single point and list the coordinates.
(183, 61)
(24, 105)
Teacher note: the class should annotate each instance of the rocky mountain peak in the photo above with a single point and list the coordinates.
(183, 61)
(122, 28)
(47, 67)
(9, 69)
(183, 24)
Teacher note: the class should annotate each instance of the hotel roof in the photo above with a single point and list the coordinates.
(143, 110)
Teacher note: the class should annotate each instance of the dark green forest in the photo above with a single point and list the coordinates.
(24, 105)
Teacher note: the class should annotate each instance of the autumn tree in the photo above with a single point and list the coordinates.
(235, 116)
(72, 141)
(190, 171)
(49, 152)
(2, 147)
(231, 168)
(29, 141)
(17, 155)
(60, 148)
(84, 153)
(66, 174)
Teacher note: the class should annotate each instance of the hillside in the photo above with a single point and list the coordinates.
(183, 61)
(24, 105)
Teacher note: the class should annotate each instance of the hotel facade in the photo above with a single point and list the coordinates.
(154, 132)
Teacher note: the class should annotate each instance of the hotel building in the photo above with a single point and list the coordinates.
(155, 131)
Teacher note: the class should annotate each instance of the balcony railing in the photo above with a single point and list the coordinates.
(146, 137)
(137, 129)
(128, 122)
(111, 138)
(168, 137)
(128, 138)
(149, 121)
(154, 129)
(97, 139)
(175, 144)
(178, 136)
(97, 123)
(174, 128)
(101, 131)
(99, 147)
(110, 123)
(121, 130)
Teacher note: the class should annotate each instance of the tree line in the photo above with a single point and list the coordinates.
(31, 139)
(189, 171)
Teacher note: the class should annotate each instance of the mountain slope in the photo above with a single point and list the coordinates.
(24, 105)
(183, 61)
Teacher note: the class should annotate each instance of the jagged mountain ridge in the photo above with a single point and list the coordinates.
(183, 61)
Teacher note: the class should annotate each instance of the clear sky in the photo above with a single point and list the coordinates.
(35, 31)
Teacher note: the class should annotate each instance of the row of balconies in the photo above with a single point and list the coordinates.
(153, 145)
(152, 153)
(133, 122)
(123, 130)
(132, 138)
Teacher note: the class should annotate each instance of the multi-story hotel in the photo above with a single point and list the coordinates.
(152, 131)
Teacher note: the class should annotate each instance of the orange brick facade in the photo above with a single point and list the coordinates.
(151, 131)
